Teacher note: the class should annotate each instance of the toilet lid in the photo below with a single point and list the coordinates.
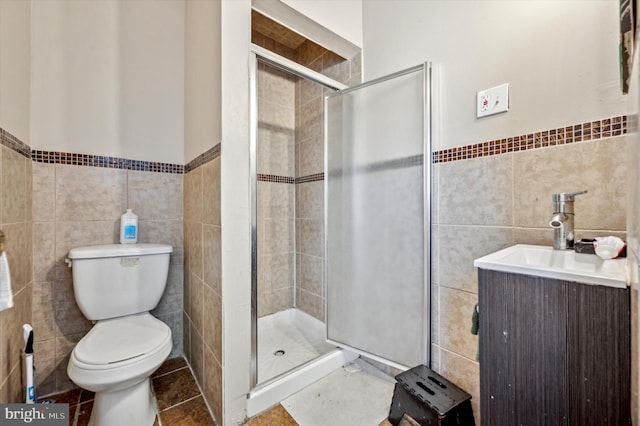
(122, 339)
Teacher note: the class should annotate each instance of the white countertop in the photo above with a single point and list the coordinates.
(566, 265)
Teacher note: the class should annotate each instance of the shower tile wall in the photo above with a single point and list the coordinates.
(276, 192)
(489, 203)
(76, 205)
(202, 282)
(291, 163)
(309, 168)
(310, 295)
(15, 222)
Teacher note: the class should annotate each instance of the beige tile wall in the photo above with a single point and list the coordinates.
(15, 222)
(202, 283)
(489, 203)
(276, 156)
(290, 144)
(79, 205)
(309, 196)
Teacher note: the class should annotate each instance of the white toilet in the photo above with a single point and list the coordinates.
(117, 285)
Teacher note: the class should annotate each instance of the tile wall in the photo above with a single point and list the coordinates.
(290, 187)
(76, 205)
(52, 202)
(276, 192)
(202, 283)
(309, 171)
(15, 222)
(490, 202)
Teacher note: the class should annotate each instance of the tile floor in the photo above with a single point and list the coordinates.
(180, 402)
(356, 394)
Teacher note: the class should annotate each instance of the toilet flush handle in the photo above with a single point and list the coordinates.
(68, 262)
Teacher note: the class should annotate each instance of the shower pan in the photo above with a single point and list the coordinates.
(329, 283)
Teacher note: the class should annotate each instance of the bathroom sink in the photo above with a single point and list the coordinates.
(560, 264)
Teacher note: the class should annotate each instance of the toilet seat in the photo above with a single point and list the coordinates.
(127, 350)
(119, 341)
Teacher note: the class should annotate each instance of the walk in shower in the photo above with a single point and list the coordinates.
(340, 252)
(289, 216)
(288, 294)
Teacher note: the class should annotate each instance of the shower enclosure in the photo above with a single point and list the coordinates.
(377, 211)
(329, 282)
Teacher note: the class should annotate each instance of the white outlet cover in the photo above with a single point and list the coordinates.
(492, 101)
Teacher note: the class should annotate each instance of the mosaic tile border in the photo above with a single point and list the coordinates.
(588, 131)
(54, 157)
(203, 158)
(15, 144)
(593, 130)
(275, 179)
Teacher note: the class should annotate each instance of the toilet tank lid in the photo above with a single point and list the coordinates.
(118, 250)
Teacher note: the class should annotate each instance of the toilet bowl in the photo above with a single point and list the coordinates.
(115, 360)
(117, 286)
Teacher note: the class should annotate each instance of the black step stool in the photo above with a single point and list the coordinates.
(430, 399)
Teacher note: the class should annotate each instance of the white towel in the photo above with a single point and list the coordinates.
(6, 295)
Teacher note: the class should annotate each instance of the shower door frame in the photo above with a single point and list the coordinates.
(258, 53)
(429, 75)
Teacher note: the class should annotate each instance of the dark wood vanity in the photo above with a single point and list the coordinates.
(553, 352)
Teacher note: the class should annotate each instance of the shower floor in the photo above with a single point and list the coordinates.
(288, 339)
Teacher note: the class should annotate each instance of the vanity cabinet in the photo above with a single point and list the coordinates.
(553, 352)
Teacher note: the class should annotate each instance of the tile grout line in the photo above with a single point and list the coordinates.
(199, 395)
(169, 372)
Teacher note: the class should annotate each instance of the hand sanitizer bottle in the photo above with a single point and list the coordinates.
(129, 228)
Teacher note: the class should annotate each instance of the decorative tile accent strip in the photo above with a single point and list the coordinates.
(15, 144)
(276, 179)
(203, 158)
(600, 129)
(311, 178)
(54, 157)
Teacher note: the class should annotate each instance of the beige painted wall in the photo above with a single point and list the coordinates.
(344, 18)
(202, 109)
(15, 67)
(108, 78)
(559, 57)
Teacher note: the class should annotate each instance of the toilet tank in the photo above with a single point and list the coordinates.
(115, 280)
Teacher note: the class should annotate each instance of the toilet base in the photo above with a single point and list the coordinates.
(131, 406)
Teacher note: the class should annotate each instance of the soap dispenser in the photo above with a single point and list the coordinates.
(129, 228)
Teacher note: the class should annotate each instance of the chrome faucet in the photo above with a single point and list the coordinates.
(562, 219)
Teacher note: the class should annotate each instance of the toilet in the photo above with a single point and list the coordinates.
(117, 285)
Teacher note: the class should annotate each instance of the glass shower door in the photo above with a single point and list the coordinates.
(377, 140)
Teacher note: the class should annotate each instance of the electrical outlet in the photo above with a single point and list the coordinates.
(492, 101)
